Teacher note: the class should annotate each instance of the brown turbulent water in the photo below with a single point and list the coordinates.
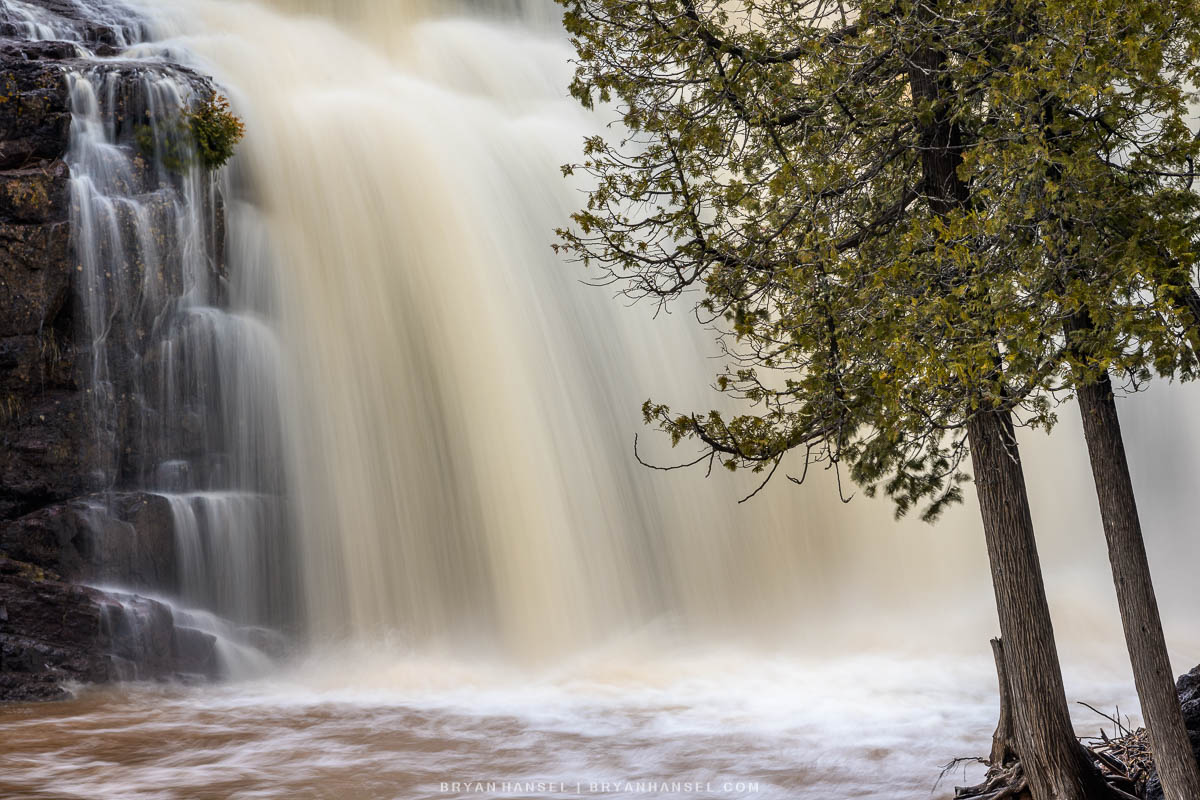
(616, 725)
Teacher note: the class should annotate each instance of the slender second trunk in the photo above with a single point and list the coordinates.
(1152, 674)
(1051, 756)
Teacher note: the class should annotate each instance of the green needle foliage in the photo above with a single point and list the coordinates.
(891, 211)
(205, 135)
(216, 130)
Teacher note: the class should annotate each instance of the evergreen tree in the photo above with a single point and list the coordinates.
(915, 226)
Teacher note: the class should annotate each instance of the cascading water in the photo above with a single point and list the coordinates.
(388, 416)
(179, 381)
(460, 411)
(108, 22)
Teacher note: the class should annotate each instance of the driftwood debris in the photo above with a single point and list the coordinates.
(1125, 757)
(1122, 763)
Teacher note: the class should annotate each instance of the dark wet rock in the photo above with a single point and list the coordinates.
(111, 539)
(54, 633)
(42, 454)
(1188, 687)
(34, 276)
(35, 195)
(55, 443)
(20, 50)
(35, 120)
(1189, 694)
(46, 456)
(196, 653)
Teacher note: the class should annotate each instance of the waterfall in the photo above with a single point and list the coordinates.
(384, 420)
(377, 402)
(180, 378)
(459, 409)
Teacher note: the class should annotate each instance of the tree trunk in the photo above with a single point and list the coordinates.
(1003, 750)
(1152, 674)
(1054, 762)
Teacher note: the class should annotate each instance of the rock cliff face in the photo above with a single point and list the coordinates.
(65, 523)
(43, 460)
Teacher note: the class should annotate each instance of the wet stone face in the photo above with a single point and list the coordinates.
(112, 336)
(41, 402)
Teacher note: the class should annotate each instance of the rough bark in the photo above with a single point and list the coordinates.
(1005, 779)
(1152, 673)
(1003, 749)
(1053, 760)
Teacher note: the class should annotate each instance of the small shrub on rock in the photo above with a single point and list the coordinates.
(205, 135)
(216, 131)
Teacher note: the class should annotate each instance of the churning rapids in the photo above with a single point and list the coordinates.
(426, 422)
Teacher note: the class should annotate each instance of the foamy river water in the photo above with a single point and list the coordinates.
(715, 726)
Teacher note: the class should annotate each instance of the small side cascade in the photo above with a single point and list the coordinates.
(146, 638)
(209, 524)
(182, 388)
(152, 636)
(180, 375)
